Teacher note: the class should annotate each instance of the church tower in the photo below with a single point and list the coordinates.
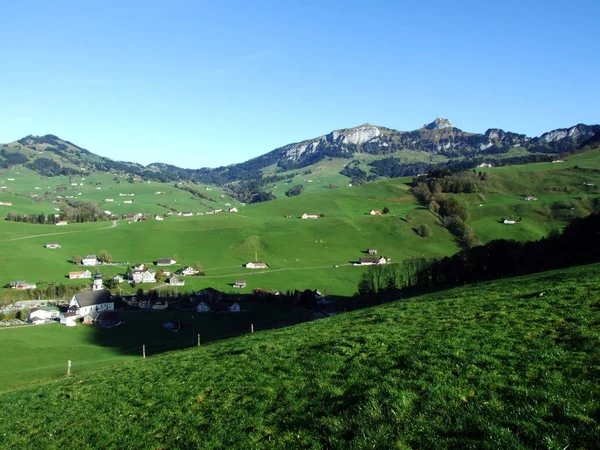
(97, 282)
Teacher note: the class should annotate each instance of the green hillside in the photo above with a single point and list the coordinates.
(506, 364)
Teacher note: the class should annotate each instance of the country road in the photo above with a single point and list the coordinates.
(114, 224)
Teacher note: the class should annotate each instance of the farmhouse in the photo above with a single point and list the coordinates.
(89, 260)
(52, 245)
(144, 276)
(62, 223)
(509, 221)
(176, 281)
(159, 218)
(69, 319)
(21, 285)
(80, 274)
(529, 198)
(5, 203)
(84, 303)
(187, 214)
(40, 315)
(128, 201)
(118, 279)
(139, 267)
(256, 265)
(188, 271)
(485, 165)
(372, 260)
(165, 261)
(372, 251)
(375, 212)
(234, 308)
(239, 284)
(234, 209)
(203, 307)
(310, 216)
(108, 200)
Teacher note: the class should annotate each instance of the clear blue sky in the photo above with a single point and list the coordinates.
(202, 84)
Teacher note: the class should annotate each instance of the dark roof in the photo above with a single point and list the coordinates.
(90, 298)
(371, 259)
(164, 260)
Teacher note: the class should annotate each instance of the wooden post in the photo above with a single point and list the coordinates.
(144, 351)
(69, 368)
(251, 328)
(198, 339)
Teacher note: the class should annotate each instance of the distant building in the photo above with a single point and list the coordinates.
(52, 245)
(373, 260)
(529, 198)
(144, 276)
(89, 260)
(375, 212)
(62, 223)
(234, 308)
(239, 284)
(188, 271)
(372, 251)
(84, 303)
(165, 261)
(80, 274)
(176, 281)
(203, 307)
(256, 265)
(21, 285)
(310, 216)
(234, 209)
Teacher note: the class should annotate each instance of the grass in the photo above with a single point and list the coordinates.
(505, 364)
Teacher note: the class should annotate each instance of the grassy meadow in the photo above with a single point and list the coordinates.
(506, 364)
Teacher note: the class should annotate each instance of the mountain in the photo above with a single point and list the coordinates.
(50, 155)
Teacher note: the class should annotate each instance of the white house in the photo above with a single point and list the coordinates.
(373, 260)
(80, 274)
(203, 307)
(256, 265)
(128, 201)
(108, 200)
(176, 281)
(188, 271)
(165, 261)
(187, 214)
(21, 285)
(62, 223)
(239, 284)
(140, 266)
(69, 319)
(234, 308)
(84, 303)
(118, 279)
(40, 315)
(509, 221)
(52, 245)
(144, 276)
(484, 165)
(310, 216)
(375, 212)
(89, 260)
(159, 218)
(234, 209)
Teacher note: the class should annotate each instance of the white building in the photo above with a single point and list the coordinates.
(310, 216)
(89, 260)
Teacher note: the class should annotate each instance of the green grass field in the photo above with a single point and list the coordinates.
(506, 364)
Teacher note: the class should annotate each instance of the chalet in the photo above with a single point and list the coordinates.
(139, 267)
(509, 221)
(234, 308)
(256, 265)
(310, 216)
(234, 209)
(118, 279)
(21, 285)
(372, 260)
(107, 212)
(188, 271)
(165, 261)
(166, 273)
(52, 245)
(529, 198)
(62, 223)
(372, 251)
(80, 274)
(558, 161)
(239, 284)
(159, 218)
(144, 276)
(187, 214)
(40, 315)
(84, 303)
(128, 201)
(108, 200)
(89, 260)
(203, 307)
(176, 281)
(217, 211)
(69, 319)
(375, 212)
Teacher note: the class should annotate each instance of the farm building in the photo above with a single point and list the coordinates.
(188, 271)
(234, 209)
(239, 284)
(256, 265)
(176, 281)
(62, 223)
(165, 261)
(310, 216)
(52, 245)
(140, 266)
(372, 260)
(40, 315)
(80, 274)
(375, 212)
(144, 276)
(159, 218)
(89, 260)
(372, 251)
(529, 198)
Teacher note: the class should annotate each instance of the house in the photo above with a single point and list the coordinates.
(84, 303)
(128, 201)
(203, 307)
(372, 260)
(529, 198)
(62, 223)
(372, 251)
(144, 276)
(218, 211)
(52, 245)
(234, 209)
(41, 315)
(509, 221)
(80, 274)
(375, 212)
(118, 279)
(485, 165)
(176, 281)
(310, 216)
(188, 271)
(159, 218)
(139, 267)
(239, 284)
(69, 319)
(6, 203)
(165, 261)
(187, 214)
(108, 200)
(256, 265)
(209, 295)
(107, 212)
(89, 260)
(234, 308)
(558, 161)
(160, 306)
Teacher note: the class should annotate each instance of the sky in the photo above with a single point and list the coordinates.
(210, 83)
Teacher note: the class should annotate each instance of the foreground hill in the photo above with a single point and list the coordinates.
(506, 364)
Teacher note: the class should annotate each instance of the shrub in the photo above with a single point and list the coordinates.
(424, 230)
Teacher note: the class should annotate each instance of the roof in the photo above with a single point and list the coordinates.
(90, 298)
(164, 260)
(370, 259)
(79, 272)
(90, 257)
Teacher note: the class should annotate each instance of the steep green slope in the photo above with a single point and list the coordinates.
(507, 364)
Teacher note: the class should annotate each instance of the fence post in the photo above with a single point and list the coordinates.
(144, 351)
(251, 328)
(69, 368)
(198, 339)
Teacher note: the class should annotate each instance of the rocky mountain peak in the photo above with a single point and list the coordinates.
(439, 124)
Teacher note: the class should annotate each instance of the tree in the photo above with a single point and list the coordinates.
(76, 259)
(139, 293)
(159, 275)
(198, 266)
(424, 230)
(409, 217)
(386, 210)
(104, 256)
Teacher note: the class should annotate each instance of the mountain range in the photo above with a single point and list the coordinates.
(49, 155)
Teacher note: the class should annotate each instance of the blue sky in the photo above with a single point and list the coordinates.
(202, 84)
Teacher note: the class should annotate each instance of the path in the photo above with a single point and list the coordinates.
(114, 224)
(276, 270)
